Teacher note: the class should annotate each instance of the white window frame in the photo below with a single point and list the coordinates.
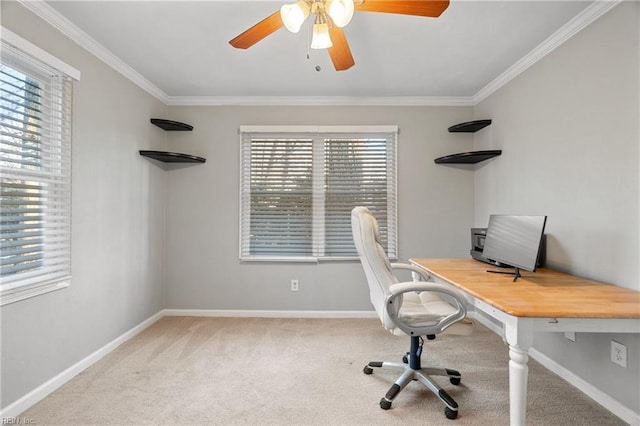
(16, 53)
(318, 134)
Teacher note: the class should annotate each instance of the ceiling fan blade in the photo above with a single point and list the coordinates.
(340, 53)
(431, 8)
(259, 31)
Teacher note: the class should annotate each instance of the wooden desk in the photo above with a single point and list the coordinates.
(542, 301)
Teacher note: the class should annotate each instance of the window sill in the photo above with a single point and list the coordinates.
(278, 259)
(12, 295)
(324, 259)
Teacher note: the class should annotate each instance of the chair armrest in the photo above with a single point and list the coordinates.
(413, 268)
(455, 299)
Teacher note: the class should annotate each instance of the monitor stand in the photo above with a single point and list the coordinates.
(516, 272)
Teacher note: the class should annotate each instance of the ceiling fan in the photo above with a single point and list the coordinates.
(330, 17)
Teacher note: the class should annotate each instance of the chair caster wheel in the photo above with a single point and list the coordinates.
(454, 380)
(367, 370)
(385, 404)
(405, 359)
(450, 413)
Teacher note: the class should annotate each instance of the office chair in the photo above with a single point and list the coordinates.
(415, 308)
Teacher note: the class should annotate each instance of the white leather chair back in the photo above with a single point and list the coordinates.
(375, 262)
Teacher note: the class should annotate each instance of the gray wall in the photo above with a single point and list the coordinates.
(147, 239)
(435, 207)
(569, 131)
(118, 224)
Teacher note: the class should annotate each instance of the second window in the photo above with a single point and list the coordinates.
(299, 185)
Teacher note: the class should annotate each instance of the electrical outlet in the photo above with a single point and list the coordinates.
(619, 353)
(294, 285)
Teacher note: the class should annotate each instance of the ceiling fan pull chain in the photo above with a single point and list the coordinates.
(325, 31)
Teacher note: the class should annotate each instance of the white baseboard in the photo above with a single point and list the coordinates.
(591, 391)
(266, 314)
(39, 393)
(42, 391)
(36, 395)
(587, 388)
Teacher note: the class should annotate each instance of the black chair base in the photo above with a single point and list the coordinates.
(412, 370)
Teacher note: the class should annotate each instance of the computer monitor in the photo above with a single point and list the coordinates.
(514, 240)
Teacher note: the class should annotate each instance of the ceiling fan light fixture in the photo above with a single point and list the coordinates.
(340, 11)
(332, 15)
(321, 39)
(294, 15)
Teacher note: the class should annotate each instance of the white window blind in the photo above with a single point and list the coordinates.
(35, 175)
(299, 185)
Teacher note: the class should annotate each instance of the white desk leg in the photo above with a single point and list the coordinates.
(518, 379)
(519, 335)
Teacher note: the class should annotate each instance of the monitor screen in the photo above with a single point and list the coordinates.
(514, 240)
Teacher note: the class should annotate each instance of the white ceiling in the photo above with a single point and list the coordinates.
(181, 49)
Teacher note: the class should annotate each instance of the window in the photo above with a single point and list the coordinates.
(299, 185)
(35, 166)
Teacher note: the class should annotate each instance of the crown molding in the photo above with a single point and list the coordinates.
(319, 101)
(582, 20)
(62, 24)
(571, 28)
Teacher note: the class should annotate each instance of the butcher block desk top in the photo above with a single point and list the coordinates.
(544, 293)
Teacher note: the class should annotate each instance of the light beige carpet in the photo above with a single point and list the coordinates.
(257, 371)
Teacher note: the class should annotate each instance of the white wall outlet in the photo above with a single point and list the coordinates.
(619, 353)
(294, 285)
